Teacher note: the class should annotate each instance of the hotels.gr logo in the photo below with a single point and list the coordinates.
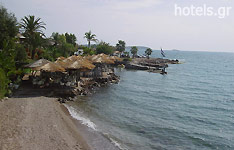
(204, 10)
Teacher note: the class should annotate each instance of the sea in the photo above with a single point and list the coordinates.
(190, 108)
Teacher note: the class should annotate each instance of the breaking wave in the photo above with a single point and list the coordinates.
(77, 116)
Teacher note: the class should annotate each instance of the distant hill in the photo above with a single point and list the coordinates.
(139, 47)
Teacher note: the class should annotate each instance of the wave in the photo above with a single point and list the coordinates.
(118, 145)
(77, 116)
(85, 121)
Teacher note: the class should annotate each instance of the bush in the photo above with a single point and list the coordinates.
(8, 25)
(127, 59)
(104, 48)
(3, 83)
(88, 51)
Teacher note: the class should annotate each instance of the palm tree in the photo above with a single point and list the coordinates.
(90, 37)
(148, 52)
(32, 30)
(134, 51)
(30, 25)
(120, 46)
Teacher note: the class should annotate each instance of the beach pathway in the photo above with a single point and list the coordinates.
(37, 123)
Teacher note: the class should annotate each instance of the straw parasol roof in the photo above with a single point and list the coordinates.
(116, 58)
(61, 58)
(37, 63)
(51, 67)
(100, 58)
(61, 63)
(72, 59)
(81, 64)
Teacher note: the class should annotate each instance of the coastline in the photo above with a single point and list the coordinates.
(89, 131)
(30, 120)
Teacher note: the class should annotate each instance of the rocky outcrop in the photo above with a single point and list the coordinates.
(152, 64)
(85, 86)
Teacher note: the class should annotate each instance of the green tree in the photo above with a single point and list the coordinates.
(61, 46)
(8, 26)
(71, 38)
(32, 30)
(31, 25)
(105, 48)
(12, 53)
(120, 46)
(55, 37)
(88, 51)
(3, 83)
(90, 37)
(20, 54)
(148, 52)
(134, 51)
(7, 56)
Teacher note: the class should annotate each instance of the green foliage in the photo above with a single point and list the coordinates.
(126, 54)
(134, 51)
(3, 83)
(55, 37)
(32, 30)
(7, 64)
(127, 59)
(31, 25)
(20, 55)
(88, 51)
(105, 48)
(61, 46)
(148, 52)
(7, 56)
(66, 49)
(50, 53)
(90, 37)
(120, 46)
(71, 38)
(8, 26)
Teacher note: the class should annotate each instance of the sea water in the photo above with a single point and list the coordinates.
(190, 108)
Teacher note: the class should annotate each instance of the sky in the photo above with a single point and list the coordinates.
(151, 23)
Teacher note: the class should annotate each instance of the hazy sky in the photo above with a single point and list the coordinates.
(149, 23)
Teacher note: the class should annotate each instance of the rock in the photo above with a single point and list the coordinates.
(136, 66)
(61, 100)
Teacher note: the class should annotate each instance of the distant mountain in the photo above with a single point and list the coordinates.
(139, 47)
(175, 50)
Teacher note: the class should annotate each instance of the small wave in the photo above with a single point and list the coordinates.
(77, 116)
(113, 141)
(182, 61)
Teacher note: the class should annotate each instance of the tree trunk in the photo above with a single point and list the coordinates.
(33, 52)
(89, 44)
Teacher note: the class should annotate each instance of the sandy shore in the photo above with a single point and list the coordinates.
(37, 123)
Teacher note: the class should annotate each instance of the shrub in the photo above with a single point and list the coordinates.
(3, 83)
(127, 59)
(105, 48)
(88, 51)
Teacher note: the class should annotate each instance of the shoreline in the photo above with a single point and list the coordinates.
(95, 139)
(30, 120)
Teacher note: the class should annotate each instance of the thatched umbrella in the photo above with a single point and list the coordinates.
(71, 59)
(60, 58)
(100, 58)
(61, 63)
(116, 58)
(81, 64)
(37, 63)
(51, 67)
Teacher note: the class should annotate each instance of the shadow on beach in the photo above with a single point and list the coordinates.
(26, 90)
